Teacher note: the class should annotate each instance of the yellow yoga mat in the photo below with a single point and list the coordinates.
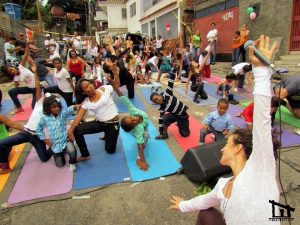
(13, 159)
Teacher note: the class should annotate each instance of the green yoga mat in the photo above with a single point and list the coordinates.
(286, 115)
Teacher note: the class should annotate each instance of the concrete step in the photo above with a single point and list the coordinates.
(287, 62)
(294, 53)
(290, 57)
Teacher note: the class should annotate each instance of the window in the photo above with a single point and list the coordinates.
(132, 9)
(124, 13)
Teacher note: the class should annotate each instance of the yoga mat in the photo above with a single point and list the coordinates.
(146, 93)
(209, 101)
(286, 115)
(6, 106)
(136, 101)
(13, 159)
(211, 90)
(24, 116)
(102, 168)
(213, 79)
(157, 153)
(190, 141)
(40, 179)
(153, 84)
(287, 138)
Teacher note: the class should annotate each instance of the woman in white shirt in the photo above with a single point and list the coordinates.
(100, 102)
(65, 86)
(244, 197)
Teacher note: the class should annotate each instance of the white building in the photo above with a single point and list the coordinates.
(155, 14)
(134, 15)
(111, 17)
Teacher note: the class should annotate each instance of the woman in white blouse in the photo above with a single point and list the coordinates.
(244, 198)
(100, 102)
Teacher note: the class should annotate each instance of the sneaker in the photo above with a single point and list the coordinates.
(196, 101)
(4, 168)
(72, 167)
(234, 102)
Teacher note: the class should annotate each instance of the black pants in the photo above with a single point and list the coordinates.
(199, 89)
(241, 80)
(0, 97)
(111, 131)
(77, 77)
(130, 89)
(67, 96)
(14, 92)
(243, 53)
(203, 132)
(182, 122)
(20, 138)
(210, 216)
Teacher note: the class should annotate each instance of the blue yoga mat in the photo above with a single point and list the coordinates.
(209, 101)
(146, 93)
(211, 90)
(136, 101)
(103, 168)
(6, 106)
(157, 153)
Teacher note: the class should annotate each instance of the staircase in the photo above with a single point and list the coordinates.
(291, 62)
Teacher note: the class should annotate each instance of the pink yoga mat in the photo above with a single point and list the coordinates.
(39, 180)
(213, 79)
(190, 141)
(24, 116)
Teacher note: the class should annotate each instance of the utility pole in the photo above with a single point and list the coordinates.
(40, 18)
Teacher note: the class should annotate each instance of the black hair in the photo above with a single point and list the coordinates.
(12, 39)
(275, 101)
(213, 24)
(108, 70)
(79, 93)
(48, 102)
(244, 137)
(153, 94)
(57, 59)
(70, 53)
(99, 59)
(223, 100)
(4, 70)
(231, 76)
(178, 55)
(238, 32)
(125, 126)
(247, 68)
(204, 53)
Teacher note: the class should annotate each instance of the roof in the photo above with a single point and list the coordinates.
(166, 6)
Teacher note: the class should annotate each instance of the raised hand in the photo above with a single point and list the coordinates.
(263, 45)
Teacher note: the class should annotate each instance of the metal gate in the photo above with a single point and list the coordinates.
(295, 32)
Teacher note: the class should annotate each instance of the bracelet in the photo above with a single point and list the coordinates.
(138, 157)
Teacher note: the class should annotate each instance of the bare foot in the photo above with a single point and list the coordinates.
(239, 115)
(102, 138)
(81, 159)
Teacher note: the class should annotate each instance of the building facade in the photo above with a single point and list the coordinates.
(133, 15)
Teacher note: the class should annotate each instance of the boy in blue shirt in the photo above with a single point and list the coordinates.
(218, 122)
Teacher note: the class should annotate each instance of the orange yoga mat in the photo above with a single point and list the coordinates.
(13, 159)
(24, 116)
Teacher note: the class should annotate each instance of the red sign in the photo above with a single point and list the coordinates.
(227, 22)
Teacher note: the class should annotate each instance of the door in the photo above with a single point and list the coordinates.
(295, 31)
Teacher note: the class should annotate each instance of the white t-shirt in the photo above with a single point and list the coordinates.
(212, 35)
(159, 43)
(35, 116)
(25, 76)
(238, 68)
(55, 55)
(153, 60)
(77, 44)
(8, 55)
(61, 79)
(201, 59)
(104, 109)
(47, 43)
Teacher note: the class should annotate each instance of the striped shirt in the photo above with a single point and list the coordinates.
(57, 129)
(170, 103)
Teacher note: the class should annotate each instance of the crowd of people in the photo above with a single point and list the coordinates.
(86, 74)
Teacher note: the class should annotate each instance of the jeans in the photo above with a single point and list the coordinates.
(111, 131)
(59, 158)
(20, 138)
(153, 68)
(182, 122)
(67, 96)
(203, 132)
(243, 53)
(195, 52)
(226, 88)
(235, 56)
(13, 93)
(50, 80)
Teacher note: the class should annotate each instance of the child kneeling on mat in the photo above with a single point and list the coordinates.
(55, 119)
(218, 122)
(137, 123)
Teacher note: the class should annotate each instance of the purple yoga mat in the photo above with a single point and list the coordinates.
(287, 138)
(39, 180)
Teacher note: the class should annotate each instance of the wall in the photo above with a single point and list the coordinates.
(156, 7)
(114, 14)
(227, 23)
(161, 25)
(133, 23)
(274, 20)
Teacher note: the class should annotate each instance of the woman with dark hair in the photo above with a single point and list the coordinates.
(244, 197)
(100, 102)
(75, 65)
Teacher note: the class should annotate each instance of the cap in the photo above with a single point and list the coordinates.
(47, 35)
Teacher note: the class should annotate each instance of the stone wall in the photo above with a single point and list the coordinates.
(274, 20)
